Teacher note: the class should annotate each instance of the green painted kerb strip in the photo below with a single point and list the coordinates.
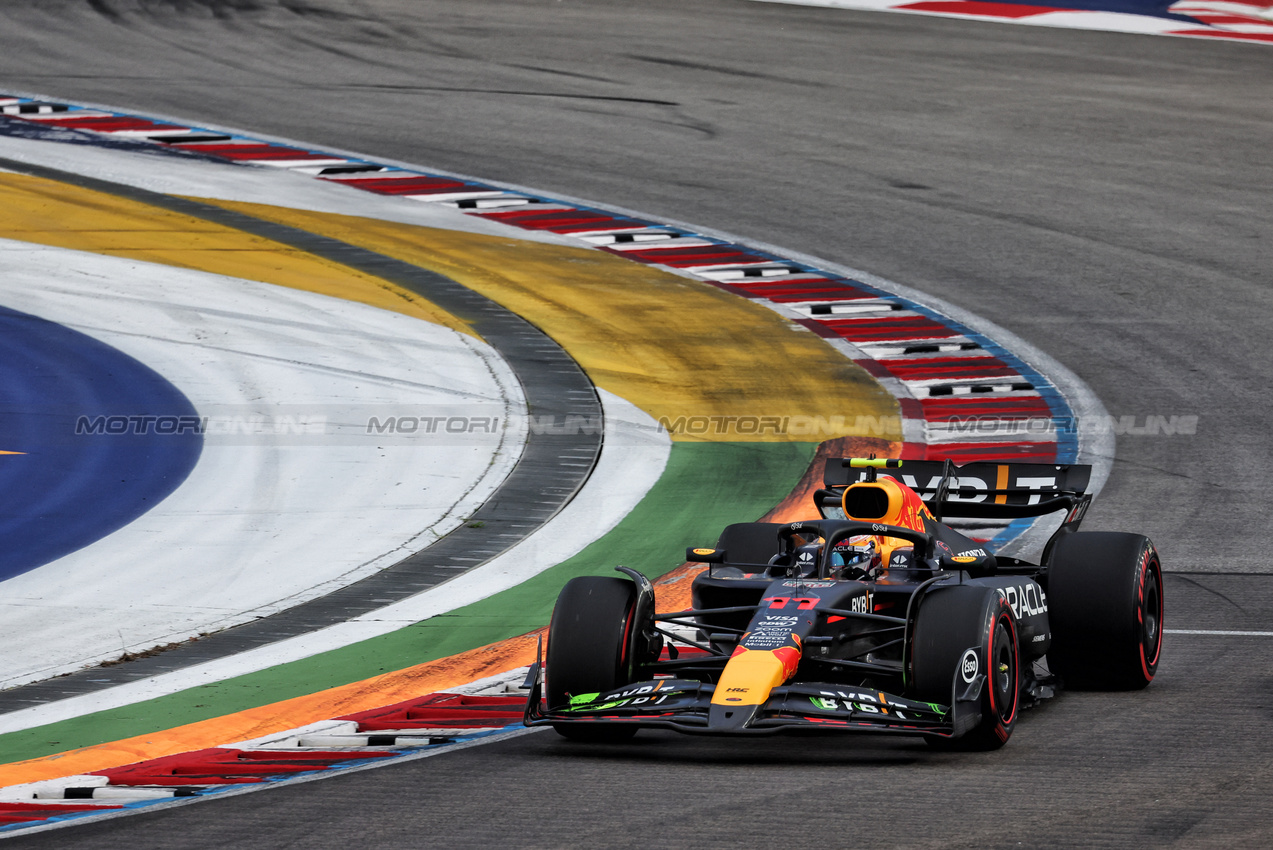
(705, 487)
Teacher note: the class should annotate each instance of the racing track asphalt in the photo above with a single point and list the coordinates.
(1103, 196)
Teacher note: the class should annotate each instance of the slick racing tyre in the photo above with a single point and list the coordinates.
(591, 641)
(1105, 605)
(954, 623)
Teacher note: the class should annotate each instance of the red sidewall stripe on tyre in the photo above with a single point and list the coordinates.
(1002, 612)
(1149, 561)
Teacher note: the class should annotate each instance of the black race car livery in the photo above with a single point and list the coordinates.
(874, 617)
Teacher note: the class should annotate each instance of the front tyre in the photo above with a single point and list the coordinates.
(591, 641)
(1105, 605)
(951, 621)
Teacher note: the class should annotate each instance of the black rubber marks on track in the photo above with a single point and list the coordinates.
(552, 467)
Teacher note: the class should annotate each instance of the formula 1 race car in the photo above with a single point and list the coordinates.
(877, 617)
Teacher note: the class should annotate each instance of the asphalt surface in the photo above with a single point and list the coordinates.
(1103, 196)
(1184, 763)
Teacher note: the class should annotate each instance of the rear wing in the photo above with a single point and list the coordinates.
(982, 489)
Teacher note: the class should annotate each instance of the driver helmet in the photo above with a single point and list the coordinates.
(857, 556)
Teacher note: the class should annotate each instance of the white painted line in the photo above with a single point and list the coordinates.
(633, 460)
(633, 457)
(177, 175)
(236, 790)
(1219, 632)
(261, 524)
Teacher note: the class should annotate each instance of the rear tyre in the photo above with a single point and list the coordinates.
(1105, 605)
(590, 648)
(950, 622)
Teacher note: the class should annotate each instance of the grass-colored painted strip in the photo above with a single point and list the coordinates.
(705, 487)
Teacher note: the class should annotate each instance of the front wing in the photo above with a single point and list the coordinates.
(685, 706)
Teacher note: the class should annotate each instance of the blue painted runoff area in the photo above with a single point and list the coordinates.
(98, 438)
